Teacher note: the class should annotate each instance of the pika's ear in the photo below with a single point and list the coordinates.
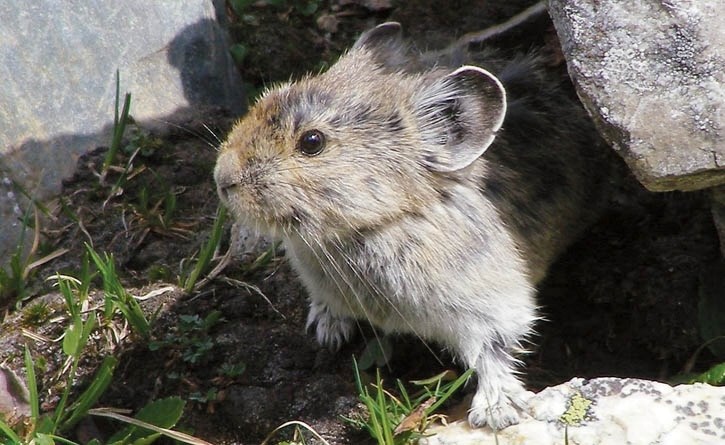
(458, 117)
(385, 44)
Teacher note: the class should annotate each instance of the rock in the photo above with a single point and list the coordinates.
(57, 98)
(14, 398)
(246, 243)
(607, 411)
(652, 75)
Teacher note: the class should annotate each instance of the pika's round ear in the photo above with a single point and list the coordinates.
(385, 44)
(458, 117)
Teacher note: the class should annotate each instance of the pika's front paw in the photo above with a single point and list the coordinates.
(498, 407)
(330, 330)
(497, 416)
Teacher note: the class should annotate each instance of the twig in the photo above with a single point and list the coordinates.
(480, 36)
(219, 268)
(298, 424)
(176, 435)
(254, 289)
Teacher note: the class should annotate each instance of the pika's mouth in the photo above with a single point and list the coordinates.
(253, 198)
(246, 205)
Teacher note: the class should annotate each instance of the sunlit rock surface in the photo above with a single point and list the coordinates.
(607, 411)
(652, 74)
(58, 62)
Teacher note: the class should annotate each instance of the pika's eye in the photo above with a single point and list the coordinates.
(311, 143)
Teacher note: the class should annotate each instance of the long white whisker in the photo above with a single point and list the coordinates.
(191, 132)
(304, 186)
(206, 127)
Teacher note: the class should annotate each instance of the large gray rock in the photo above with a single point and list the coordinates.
(607, 411)
(652, 74)
(58, 61)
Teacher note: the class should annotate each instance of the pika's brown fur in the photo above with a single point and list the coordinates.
(402, 200)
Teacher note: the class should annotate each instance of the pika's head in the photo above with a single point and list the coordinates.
(359, 146)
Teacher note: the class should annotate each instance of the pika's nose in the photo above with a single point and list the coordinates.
(226, 173)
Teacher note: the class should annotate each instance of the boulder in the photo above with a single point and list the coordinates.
(58, 62)
(606, 411)
(14, 398)
(652, 75)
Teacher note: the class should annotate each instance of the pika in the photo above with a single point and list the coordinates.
(426, 197)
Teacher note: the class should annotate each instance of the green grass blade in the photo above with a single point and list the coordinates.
(90, 396)
(356, 371)
(207, 251)
(450, 389)
(64, 285)
(379, 412)
(162, 413)
(407, 404)
(9, 433)
(72, 338)
(88, 327)
(117, 296)
(175, 435)
(132, 311)
(32, 386)
(53, 439)
(714, 376)
(118, 95)
(43, 439)
(119, 126)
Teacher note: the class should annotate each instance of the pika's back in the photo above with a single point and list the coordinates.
(548, 170)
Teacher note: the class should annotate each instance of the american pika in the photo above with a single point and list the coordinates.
(427, 197)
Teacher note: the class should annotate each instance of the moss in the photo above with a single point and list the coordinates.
(577, 410)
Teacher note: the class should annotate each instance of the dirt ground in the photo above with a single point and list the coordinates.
(621, 302)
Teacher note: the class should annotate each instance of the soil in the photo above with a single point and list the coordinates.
(621, 302)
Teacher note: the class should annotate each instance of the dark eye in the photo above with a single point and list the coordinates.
(311, 143)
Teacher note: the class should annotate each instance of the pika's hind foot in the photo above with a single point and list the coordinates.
(331, 331)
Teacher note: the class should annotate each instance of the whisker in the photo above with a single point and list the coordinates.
(206, 127)
(376, 334)
(332, 266)
(306, 187)
(189, 131)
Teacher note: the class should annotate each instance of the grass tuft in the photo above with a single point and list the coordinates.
(403, 419)
(116, 296)
(207, 251)
(119, 126)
